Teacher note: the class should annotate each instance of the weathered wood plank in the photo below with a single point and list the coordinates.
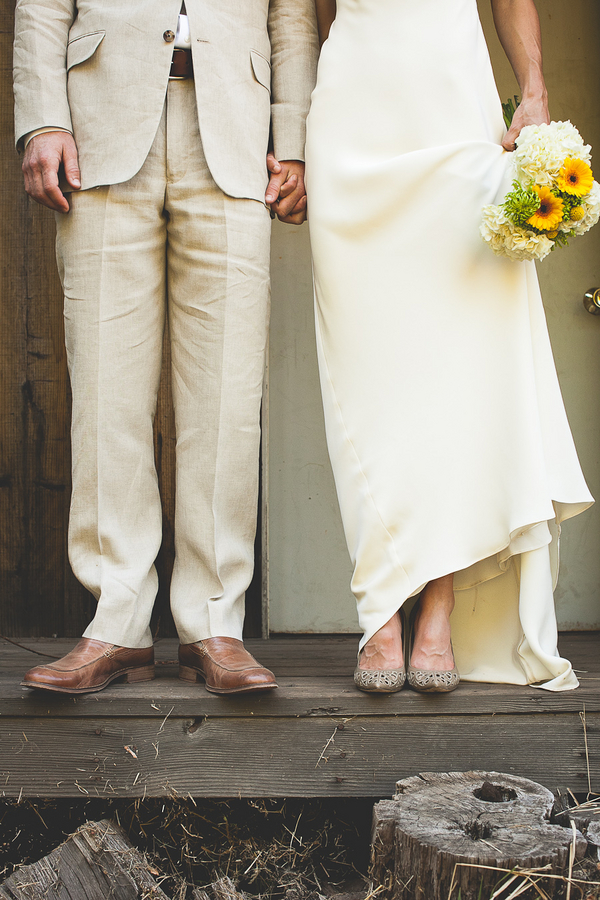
(285, 757)
(315, 680)
(305, 697)
(96, 862)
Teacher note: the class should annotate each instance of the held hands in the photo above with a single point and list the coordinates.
(44, 155)
(286, 194)
(532, 110)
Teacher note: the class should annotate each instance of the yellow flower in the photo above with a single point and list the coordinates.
(552, 234)
(550, 211)
(575, 177)
(577, 213)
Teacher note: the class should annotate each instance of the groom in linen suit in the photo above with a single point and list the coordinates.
(147, 132)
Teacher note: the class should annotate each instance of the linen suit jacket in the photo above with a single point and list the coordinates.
(99, 68)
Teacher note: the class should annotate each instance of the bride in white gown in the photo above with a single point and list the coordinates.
(451, 450)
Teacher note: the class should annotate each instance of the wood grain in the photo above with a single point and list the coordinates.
(96, 862)
(38, 592)
(446, 835)
(283, 757)
(315, 736)
(315, 680)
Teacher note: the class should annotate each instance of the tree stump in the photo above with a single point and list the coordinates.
(429, 840)
(95, 863)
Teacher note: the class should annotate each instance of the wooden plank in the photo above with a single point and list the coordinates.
(315, 681)
(304, 698)
(285, 757)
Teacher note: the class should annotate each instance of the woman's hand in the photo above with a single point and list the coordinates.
(518, 27)
(530, 111)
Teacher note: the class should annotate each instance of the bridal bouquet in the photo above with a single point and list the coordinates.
(553, 198)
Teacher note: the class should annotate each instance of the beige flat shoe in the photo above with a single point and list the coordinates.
(382, 681)
(427, 681)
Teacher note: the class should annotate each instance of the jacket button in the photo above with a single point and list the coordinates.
(169, 37)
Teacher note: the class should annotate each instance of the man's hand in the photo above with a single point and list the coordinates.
(44, 155)
(286, 194)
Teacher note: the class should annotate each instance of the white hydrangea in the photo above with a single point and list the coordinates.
(542, 149)
(505, 239)
(591, 205)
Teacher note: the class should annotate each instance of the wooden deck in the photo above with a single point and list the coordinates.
(317, 736)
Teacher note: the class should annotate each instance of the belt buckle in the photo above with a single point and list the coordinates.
(186, 63)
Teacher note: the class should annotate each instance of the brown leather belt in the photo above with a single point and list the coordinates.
(181, 66)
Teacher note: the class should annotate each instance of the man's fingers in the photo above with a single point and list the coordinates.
(42, 186)
(45, 190)
(52, 193)
(298, 215)
(284, 188)
(43, 158)
(295, 218)
(288, 187)
(273, 165)
(288, 202)
(71, 166)
(286, 194)
(292, 205)
(274, 186)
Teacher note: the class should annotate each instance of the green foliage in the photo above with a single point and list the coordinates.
(509, 109)
(520, 204)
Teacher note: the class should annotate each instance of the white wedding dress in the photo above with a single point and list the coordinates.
(446, 428)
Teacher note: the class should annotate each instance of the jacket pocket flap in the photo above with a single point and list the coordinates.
(81, 48)
(261, 68)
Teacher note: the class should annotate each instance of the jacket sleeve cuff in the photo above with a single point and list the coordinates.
(289, 131)
(46, 130)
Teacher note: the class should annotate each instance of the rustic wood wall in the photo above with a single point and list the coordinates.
(38, 592)
(39, 596)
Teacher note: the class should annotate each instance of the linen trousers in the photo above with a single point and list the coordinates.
(166, 245)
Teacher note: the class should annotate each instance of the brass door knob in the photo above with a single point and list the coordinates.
(591, 301)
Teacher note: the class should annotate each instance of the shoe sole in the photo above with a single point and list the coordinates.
(431, 690)
(193, 676)
(130, 676)
(380, 690)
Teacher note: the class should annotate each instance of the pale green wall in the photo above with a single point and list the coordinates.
(309, 568)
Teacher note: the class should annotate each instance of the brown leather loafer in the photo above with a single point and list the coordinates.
(224, 665)
(91, 666)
